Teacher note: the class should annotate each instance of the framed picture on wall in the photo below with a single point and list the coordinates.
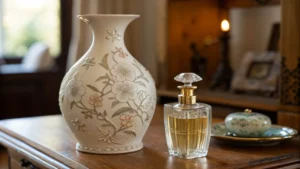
(258, 72)
(259, 69)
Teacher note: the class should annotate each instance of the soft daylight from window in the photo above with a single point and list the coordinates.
(24, 22)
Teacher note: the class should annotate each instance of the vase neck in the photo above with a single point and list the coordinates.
(108, 29)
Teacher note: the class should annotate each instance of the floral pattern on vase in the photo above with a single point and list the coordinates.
(112, 95)
(74, 90)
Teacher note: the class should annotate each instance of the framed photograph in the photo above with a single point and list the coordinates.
(258, 72)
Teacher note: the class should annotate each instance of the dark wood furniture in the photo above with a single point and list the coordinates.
(289, 111)
(47, 142)
(26, 94)
(3, 158)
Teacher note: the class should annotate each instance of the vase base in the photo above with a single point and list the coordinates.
(119, 150)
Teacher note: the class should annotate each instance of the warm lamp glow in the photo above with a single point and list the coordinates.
(225, 25)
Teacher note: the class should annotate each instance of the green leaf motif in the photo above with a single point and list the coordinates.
(104, 62)
(121, 111)
(72, 104)
(147, 118)
(135, 61)
(86, 116)
(114, 103)
(137, 67)
(93, 88)
(131, 132)
(144, 79)
(102, 78)
(106, 83)
(141, 83)
(62, 98)
(106, 125)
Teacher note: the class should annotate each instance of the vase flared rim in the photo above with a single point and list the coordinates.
(108, 15)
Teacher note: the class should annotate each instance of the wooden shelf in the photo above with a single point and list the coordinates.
(229, 99)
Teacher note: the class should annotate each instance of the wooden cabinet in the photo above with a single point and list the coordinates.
(23, 156)
(29, 94)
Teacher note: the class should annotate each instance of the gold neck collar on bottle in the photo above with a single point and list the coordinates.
(187, 95)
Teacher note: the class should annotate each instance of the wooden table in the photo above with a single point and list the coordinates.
(46, 142)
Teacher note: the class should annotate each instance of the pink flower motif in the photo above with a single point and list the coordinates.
(95, 100)
(122, 54)
(126, 120)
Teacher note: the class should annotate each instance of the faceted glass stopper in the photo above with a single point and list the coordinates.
(188, 78)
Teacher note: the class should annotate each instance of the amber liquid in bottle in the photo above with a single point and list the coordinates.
(188, 135)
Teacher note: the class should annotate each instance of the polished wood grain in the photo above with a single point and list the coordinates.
(289, 119)
(51, 136)
(3, 158)
(290, 32)
(289, 113)
(191, 21)
(19, 152)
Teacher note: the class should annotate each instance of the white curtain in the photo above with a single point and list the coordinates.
(141, 35)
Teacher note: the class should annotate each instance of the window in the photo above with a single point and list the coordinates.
(24, 22)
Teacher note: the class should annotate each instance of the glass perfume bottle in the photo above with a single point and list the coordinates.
(187, 123)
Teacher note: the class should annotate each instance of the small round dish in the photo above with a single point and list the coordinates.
(273, 136)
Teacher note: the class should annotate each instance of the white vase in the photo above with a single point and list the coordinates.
(108, 98)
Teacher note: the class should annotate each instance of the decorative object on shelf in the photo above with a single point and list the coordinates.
(108, 98)
(187, 123)
(290, 88)
(275, 135)
(198, 62)
(224, 71)
(247, 124)
(259, 72)
(274, 38)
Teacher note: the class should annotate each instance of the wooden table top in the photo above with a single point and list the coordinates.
(51, 136)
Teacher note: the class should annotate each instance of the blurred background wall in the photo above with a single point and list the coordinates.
(251, 30)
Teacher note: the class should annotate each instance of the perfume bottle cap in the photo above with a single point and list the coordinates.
(188, 78)
(187, 90)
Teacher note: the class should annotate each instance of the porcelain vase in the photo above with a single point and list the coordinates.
(108, 98)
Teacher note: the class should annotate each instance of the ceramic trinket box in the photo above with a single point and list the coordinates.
(247, 124)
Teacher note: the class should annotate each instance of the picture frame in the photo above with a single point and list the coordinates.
(259, 69)
(259, 72)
